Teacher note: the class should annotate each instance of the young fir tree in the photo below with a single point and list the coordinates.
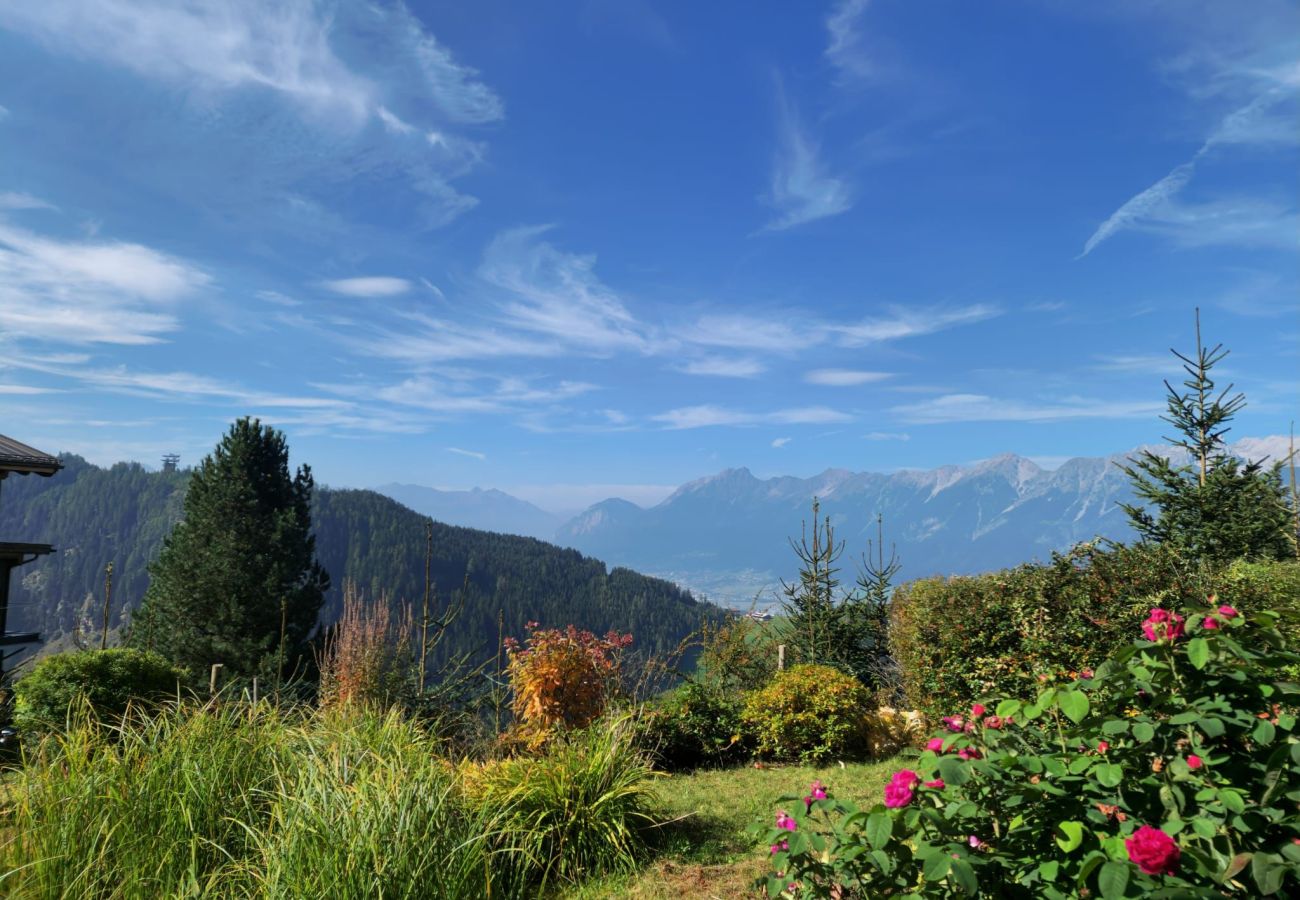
(237, 581)
(1217, 508)
(865, 615)
(812, 616)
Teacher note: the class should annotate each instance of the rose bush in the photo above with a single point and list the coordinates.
(1172, 770)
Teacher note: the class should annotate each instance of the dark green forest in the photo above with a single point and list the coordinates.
(94, 516)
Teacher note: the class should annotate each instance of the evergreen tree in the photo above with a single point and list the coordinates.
(812, 617)
(1217, 508)
(237, 582)
(865, 614)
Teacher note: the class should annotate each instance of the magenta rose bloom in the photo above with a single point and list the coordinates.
(954, 723)
(1154, 852)
(1209, 623)
(784, 821)
(1228, 612)
(1162, 625)
(901, 790)
(935, 744)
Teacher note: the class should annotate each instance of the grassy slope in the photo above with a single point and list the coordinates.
(706, 853)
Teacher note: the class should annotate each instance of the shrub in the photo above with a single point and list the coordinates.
(957, 639)
(562, 679)
(807, 712)
(737, 655)
(693, 726)
(1174, 770)
(581, 808)
(109, 680)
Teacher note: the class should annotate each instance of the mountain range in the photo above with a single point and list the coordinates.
(727, 536)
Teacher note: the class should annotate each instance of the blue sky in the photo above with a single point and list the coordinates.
(592, 248)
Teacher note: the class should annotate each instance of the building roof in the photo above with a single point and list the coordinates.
(18, 457)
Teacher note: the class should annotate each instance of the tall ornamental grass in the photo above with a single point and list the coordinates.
(586, 807)
(228, 801)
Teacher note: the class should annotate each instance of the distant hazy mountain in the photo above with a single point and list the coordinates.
(489, 510)
(727, 535)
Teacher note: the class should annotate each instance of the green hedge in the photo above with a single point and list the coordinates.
(109, 680)
(963, 638)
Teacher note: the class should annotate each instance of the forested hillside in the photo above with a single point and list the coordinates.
(122, 514)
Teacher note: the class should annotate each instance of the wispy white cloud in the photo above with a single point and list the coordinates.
(24, 389)
(282, 47)
(708, 415)
(1144, 364)
(724, 367)
(1233, 222)
(472, 454)
(776, 332)
(74, 291)
(780, 442)
(982, 408)
(368, 286)
(365, 83)
(802, 190)
(844, 377)
(905, 322)
(557, 294)
(20, 200)
(846, 47)
(887, 436)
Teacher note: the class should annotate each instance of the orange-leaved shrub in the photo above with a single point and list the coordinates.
(562, 678)
(808, 712)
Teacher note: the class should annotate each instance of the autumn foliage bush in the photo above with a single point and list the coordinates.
(562, 678)
(1172, 770)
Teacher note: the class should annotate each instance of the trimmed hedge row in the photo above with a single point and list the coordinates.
(962, 638)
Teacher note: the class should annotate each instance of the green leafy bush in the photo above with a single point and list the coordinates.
(957, 639)
(808, 712)
(109, 680)
(693, 726)
(1174, 770)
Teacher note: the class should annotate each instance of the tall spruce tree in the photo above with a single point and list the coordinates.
(812, 616)
(1216, 508)
(237, 581)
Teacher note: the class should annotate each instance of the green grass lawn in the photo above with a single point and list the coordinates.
(705, 851)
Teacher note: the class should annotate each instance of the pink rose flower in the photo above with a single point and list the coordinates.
(784, 845)
(1102, 746)
(993, 722)
(1228, 612)
(1162, 625)
(1194, 761)
(974, 842)
(977, 710)
(1209, 623)
(901, 789)
(937, 784)
(935, 744)
(954, 723)
(897, 795)
(816, 792)
(968, 753)
(784, 821)
(1154, 852)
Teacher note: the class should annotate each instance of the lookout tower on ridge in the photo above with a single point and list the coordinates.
(171, 462)
(19, 459)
